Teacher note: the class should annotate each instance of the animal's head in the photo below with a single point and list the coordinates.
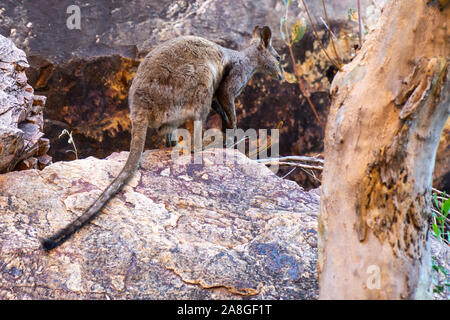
(269, 61)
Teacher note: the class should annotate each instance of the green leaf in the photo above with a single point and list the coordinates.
(298, 30)
(443, 270)
(282, 22)
(436, 230)
(435, 200)
(438, 289)
(446, 207)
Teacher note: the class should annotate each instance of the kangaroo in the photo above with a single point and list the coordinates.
(177, 81)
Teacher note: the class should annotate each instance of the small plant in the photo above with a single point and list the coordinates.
(297, 32)
(290, 38)
(70, 141)
(442, 286)
(441, 221)
(355, 16)
(338, 63)
(440, 230)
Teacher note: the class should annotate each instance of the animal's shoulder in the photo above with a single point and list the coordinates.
(190, 48)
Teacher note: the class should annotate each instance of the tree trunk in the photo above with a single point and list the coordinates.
(389, 106)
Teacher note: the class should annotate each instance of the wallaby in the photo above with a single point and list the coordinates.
(180, 80)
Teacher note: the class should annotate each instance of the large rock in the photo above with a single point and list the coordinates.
(21, 114)
(193, 231)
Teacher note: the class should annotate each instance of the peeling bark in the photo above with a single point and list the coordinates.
(389, 107)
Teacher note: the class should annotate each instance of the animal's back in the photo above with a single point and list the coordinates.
(177, 76)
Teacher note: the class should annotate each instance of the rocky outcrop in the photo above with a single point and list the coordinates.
(85, 74)
(178, 230)
(22, 142)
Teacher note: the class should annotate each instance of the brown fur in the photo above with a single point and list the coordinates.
(178, 81)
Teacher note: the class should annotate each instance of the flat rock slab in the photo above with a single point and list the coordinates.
(213, 230)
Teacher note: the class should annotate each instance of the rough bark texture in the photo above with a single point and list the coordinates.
(192, 231)
(389, 107)
(22, 142)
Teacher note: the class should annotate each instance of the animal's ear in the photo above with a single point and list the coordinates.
(266, 36)
(256, 33)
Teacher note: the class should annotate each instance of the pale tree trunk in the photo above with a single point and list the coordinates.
(389, 106)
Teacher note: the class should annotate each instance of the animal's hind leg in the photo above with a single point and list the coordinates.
(195, 132)
(169, 140)
(219, 110)
(207, 102)
(167, 131)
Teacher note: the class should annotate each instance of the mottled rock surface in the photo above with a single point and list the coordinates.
(194, 231)
(22, 142)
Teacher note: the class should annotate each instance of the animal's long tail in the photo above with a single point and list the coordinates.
(138, 134)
